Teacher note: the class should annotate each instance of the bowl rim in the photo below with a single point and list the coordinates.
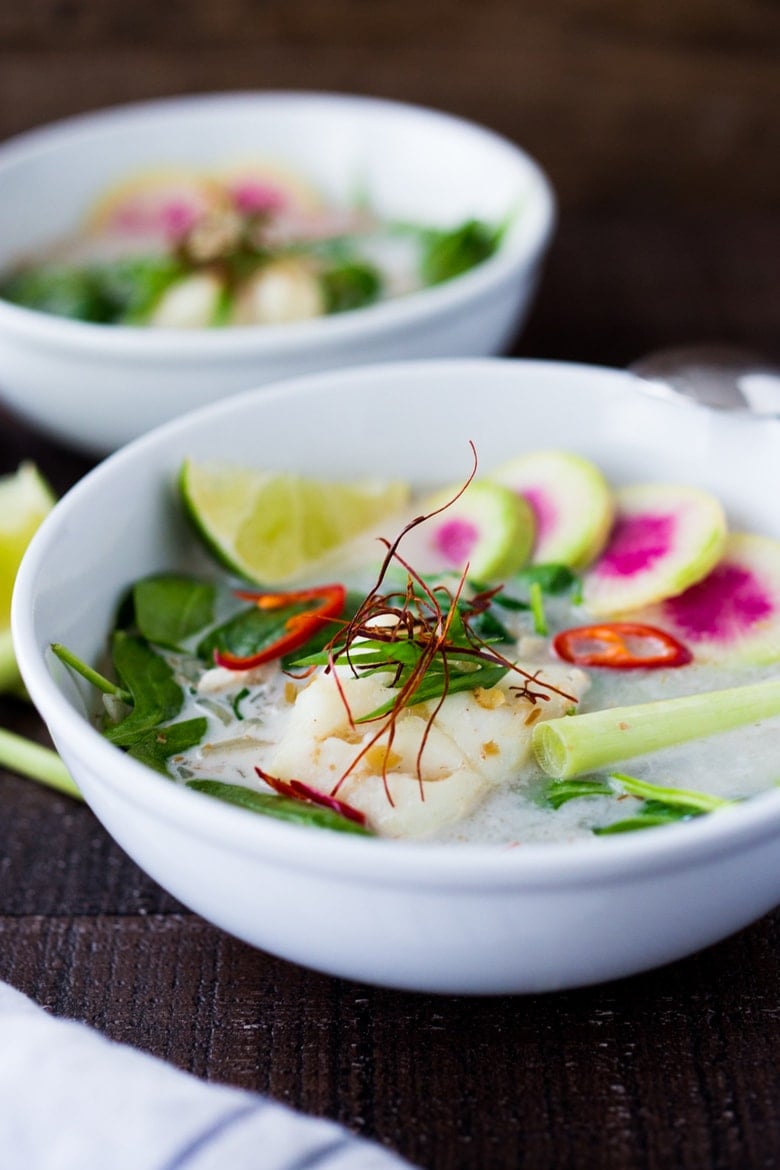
(514, 256)
(542, 865)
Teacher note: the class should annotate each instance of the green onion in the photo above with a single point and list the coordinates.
(691, 799)
(559, 792)
(536, 599)
(572, 745)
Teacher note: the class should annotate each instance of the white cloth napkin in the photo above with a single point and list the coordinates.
(72, 1100)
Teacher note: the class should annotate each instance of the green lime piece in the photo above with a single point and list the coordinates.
(272, 527)
(25, 499)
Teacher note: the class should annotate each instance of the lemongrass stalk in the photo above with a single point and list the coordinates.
(21, 755)
(576, 744)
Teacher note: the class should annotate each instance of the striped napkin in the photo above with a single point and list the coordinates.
(72, 1100)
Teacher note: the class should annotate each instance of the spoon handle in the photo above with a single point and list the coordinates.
(717, 376)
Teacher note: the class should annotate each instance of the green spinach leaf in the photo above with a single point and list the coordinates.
(446, 254)
(156, 696)
(351, 285)
(170, 608)
(154, 747)
(284, 808)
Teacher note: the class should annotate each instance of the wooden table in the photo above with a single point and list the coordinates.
(673, 1069)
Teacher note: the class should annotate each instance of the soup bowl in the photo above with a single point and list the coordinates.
(437, 917)
(98, 386)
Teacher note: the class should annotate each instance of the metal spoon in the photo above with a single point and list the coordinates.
(717, 376)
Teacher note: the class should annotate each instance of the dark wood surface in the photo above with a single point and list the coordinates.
(658, 124)
(657, 101)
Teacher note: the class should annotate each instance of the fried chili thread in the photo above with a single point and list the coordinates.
(423, 622)
(414, 616)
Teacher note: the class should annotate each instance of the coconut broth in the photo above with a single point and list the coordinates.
(734, 764)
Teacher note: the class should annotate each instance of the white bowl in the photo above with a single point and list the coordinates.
(97, 386)
(432, 917)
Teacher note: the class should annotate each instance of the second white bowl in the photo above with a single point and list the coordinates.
(97, 386)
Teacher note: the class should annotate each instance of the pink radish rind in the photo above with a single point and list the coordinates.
(571, 501)
(665, 538)
(732, 616)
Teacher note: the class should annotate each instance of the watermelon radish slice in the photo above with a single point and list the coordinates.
(488, 528)
(733, 615)
(256, 187)
(153, 205)
(571, 501)
(664, 539)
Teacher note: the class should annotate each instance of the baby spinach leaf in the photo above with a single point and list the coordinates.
(254, 629)
(154, 747)
(156, 696)
(446, 254)
(350, 285)
(64, 291)
(134, 284)
(282, 807)
(249, 631)
(170, 607)
(123, 290)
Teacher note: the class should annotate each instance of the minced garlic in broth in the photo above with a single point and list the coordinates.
(248, 716)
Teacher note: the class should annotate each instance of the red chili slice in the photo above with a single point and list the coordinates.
(621, 646)
(297, 790)
(329, 601)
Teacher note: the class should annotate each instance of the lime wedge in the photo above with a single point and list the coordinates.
(271, 527)
(25, 498)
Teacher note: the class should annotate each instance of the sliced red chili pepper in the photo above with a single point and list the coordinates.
(328, 602)
(621, 646)
(297, 790)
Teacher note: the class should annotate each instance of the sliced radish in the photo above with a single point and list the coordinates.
(156, 204)
(489, 528)
(733, 615)
(264, 187)
(571, 501)
(664, 539)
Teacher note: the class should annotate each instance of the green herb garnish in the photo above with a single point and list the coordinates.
(169, 608)
(156, 697)
(661, 804)
(447, 254)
